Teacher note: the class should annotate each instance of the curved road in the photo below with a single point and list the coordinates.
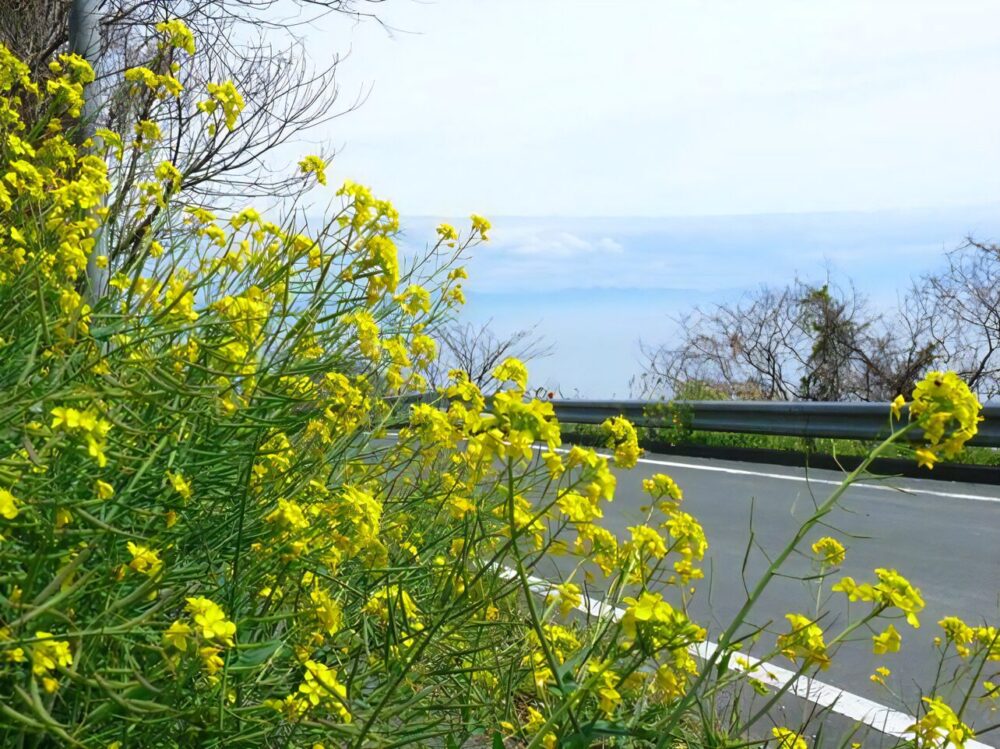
(943, 536)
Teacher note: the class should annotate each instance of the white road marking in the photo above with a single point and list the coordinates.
(787, 477)
(855, 707)
(805, 479)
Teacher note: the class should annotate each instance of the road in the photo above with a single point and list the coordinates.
(943, 536)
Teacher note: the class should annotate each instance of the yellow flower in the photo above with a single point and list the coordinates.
(623, 438)
(880, 675)
(959, 633)
(940, 724)
(63, 517)
(321, 687)
(607, 694)
(401, 602)
(829, 550)
(211, 659)
(314, 165)
(288, 514)
(9, 654)
(180, 484)
(178, 635)
(211, 620)
(147, 131)
(512, 370)
(447, 232)
(226, 96)
(367, 331)
(167, 172)
(804, 642)
(646, 540)
(788, 739)
(660, 485)
(947, 411)
(892, 591)
(104, 490)
(48, 654)
(658, 624)
(567, 596)
(176, 34)
(247, 215)
(327, 611)
(145, 561)
(8, 505)
(887, 642)
(480, 225)
(414, 299)
(141, 75)
(897, 407)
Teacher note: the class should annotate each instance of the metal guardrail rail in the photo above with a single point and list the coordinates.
(861, 421)
(865, 421)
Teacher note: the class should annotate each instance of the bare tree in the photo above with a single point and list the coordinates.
(478, 349)
(800, 342)
(246, 41)
(748, 350)
(961, 304)
(34, 30)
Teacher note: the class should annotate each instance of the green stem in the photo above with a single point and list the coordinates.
(727, 637)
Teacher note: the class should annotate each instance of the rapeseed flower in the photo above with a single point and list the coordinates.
(889, 641)
(9, 506)
(176, 34)
(804, 643)
(892, 591)
(623, 439)
(314, 165)
(211, 620)
(940, 724)
(145, 561)
(787, 739)
(829, 551)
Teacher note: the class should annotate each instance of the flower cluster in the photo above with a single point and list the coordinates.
(623, 439)
(947, 412)
(804, 643)
(940, 725)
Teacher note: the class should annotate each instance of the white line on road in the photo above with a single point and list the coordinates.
(811, 480)
(806, 479)
(855, 707)
(787, 477)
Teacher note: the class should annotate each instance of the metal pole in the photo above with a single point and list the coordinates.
(85, 40)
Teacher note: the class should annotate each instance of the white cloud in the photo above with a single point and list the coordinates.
(644, 107)
(553, 244)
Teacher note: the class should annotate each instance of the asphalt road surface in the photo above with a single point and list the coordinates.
(943, 536)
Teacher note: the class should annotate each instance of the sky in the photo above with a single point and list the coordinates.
(643, 156)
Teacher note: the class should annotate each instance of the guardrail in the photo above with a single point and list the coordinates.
(860, 421)
(864, 421)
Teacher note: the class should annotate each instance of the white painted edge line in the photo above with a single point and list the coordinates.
(787, 477)
(805, 479)
(855, 707)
